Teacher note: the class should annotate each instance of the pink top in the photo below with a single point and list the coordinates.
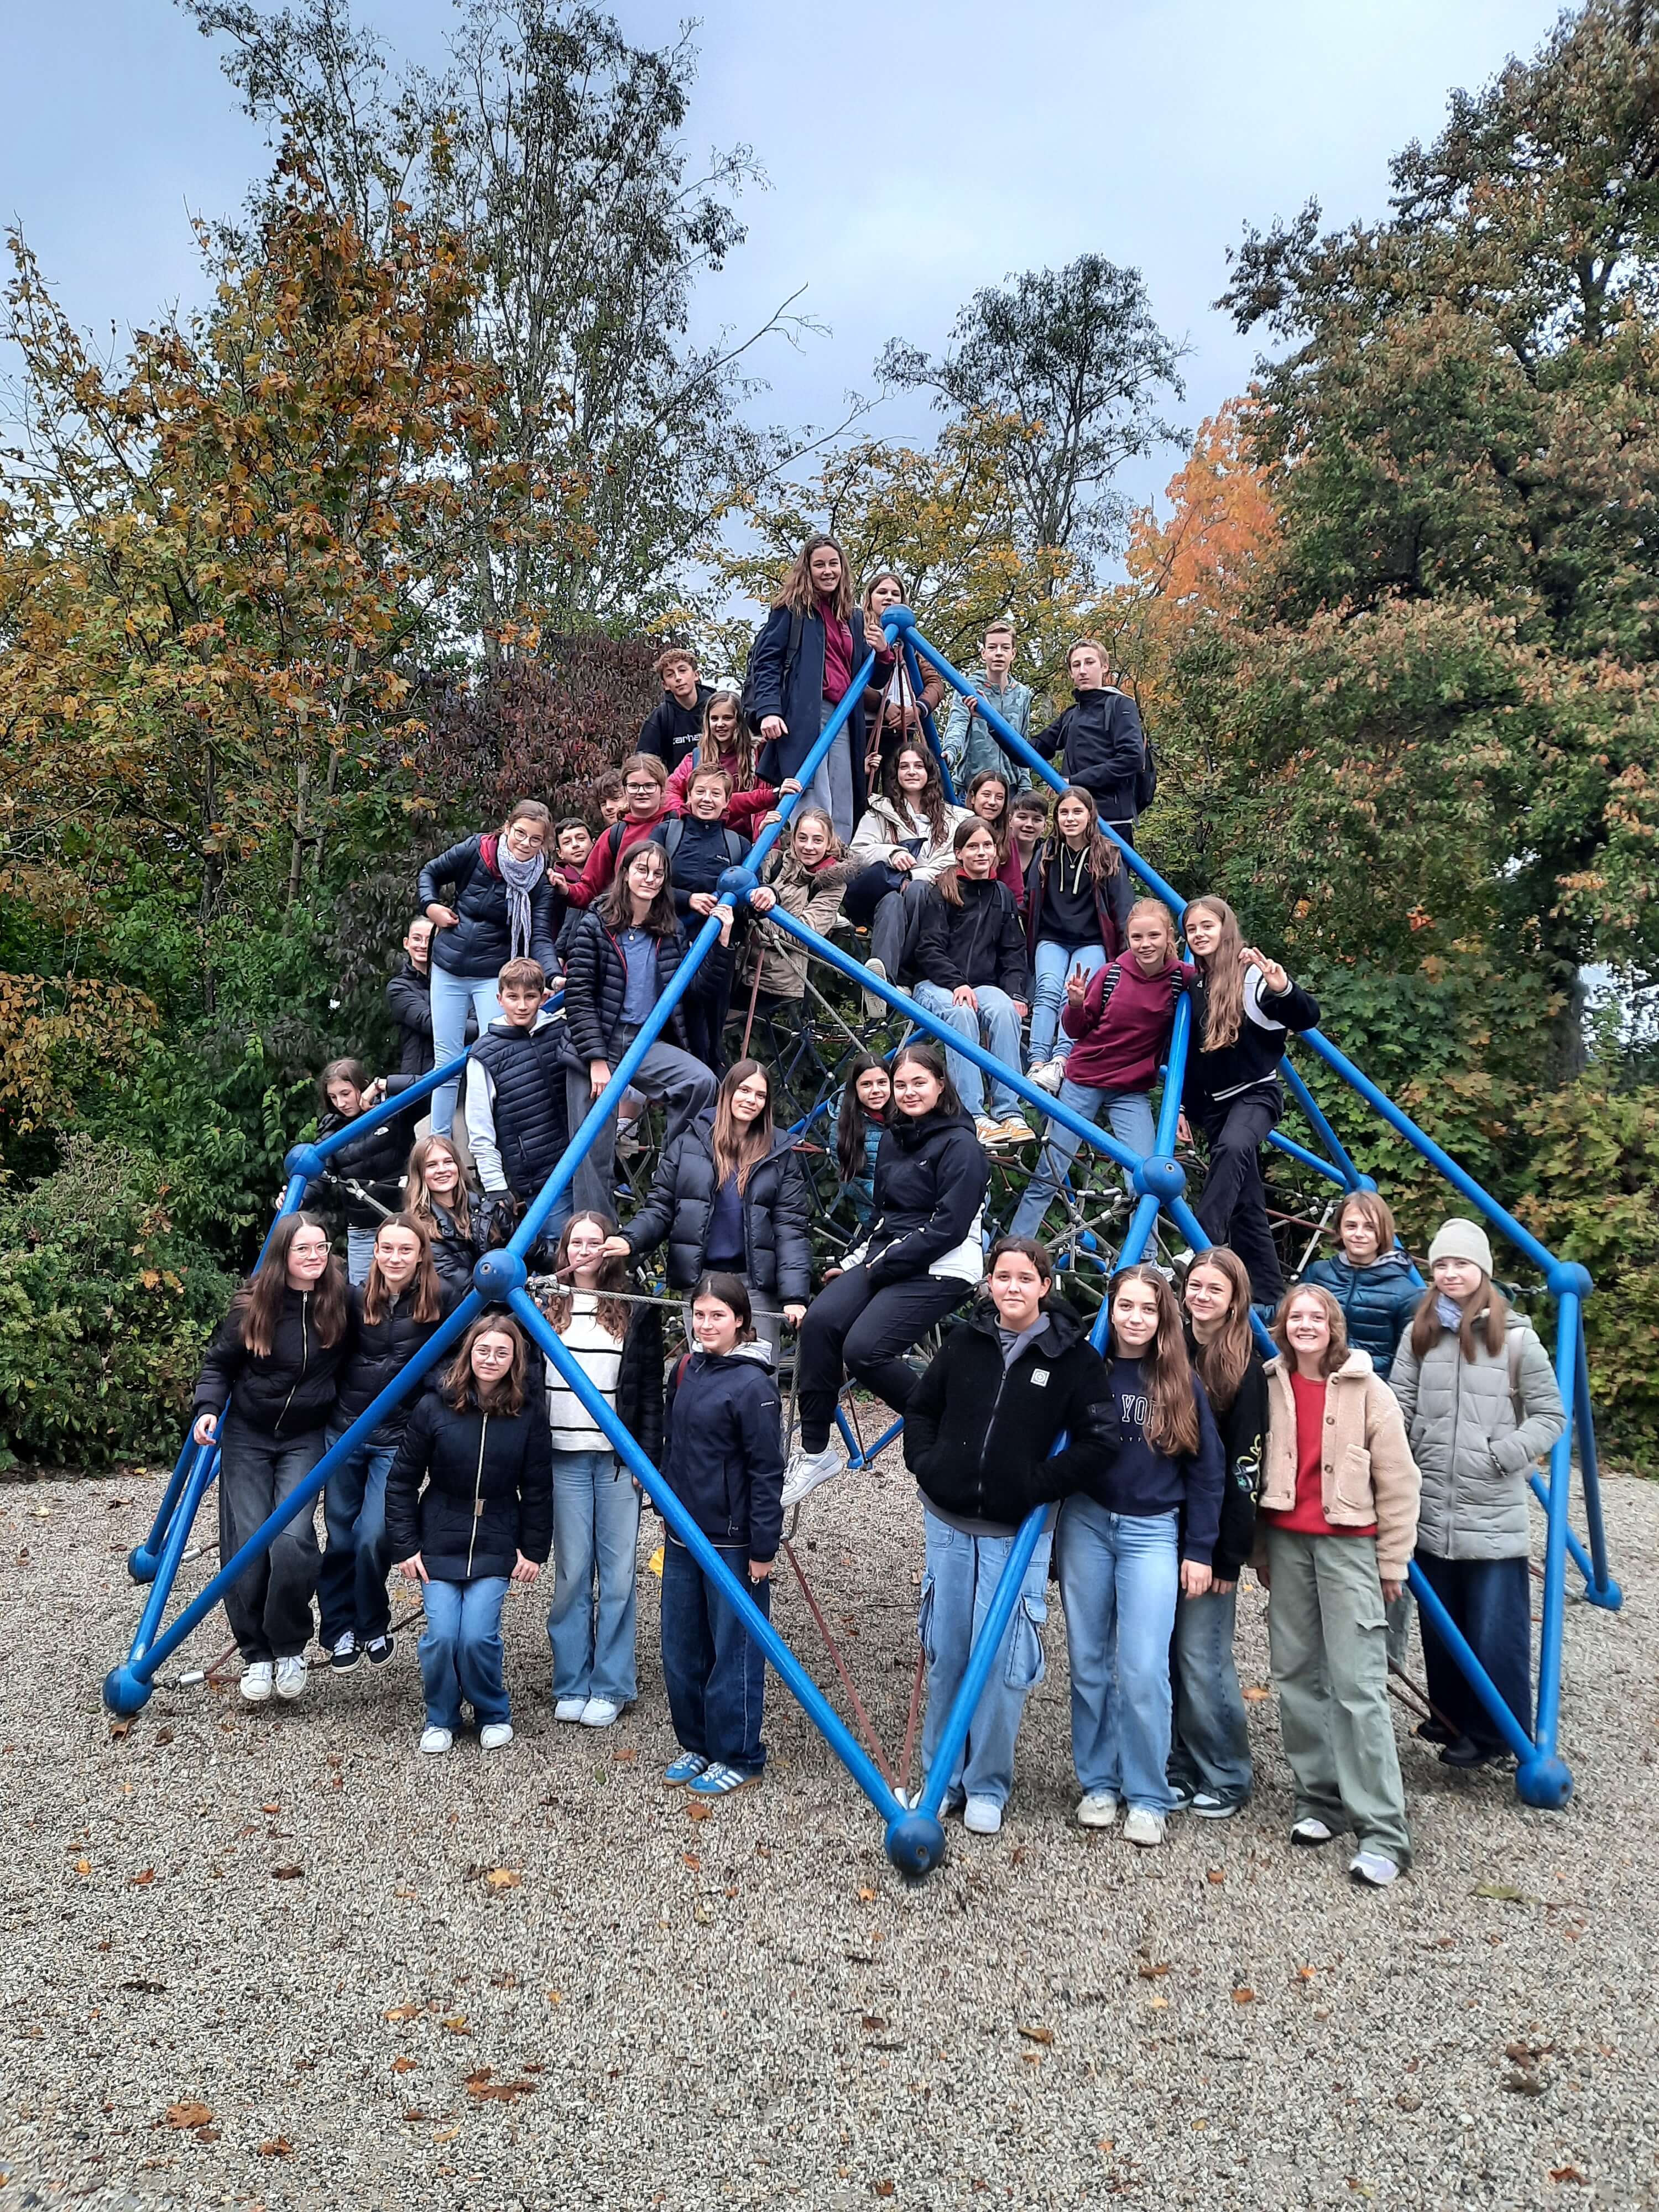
(1013, 875)
(837, 654)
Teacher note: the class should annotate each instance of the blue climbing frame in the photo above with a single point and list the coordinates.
(914, 1838)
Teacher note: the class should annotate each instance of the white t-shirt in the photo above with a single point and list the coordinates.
(599, 1355)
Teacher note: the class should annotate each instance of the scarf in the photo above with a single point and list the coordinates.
(519, 879)
(1448, 1312)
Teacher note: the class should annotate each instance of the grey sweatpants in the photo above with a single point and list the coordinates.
(684, 1084)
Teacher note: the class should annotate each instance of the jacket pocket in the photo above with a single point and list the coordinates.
(1353, 1480)
(924, 1619)
(1025, 1666)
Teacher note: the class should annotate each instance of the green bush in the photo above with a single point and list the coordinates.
(105, 1304)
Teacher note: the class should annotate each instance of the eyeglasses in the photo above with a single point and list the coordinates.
(645, 790)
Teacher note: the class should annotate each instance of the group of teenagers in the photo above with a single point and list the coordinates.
(1394, 1422)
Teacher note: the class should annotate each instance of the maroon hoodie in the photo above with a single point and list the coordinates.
(1122, 1031)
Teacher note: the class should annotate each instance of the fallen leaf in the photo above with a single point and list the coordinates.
(882, 2188)
(873, 2023)
(1257, 1693)
(626, 1755)
(502, 1878)
(480, 2085)
(866, 1897)
(1523, 2083)
(416, 2115)
(692, 1861)
(1036, 2034)
(1215, 1875)
(408, 2010)
(1304, 1973)
(1503, 1895)
(1106, 2142)
(272, 1808)
(655, 1562)
(143, 1880)
(164, 1735)
(456, 2024)
(403, 2063)
(696, 1812)
(83, 1866)
(118, 1729)
(286, 1872)
(556, 1996)
(189, 2114)
(1160, 2005)
(1149, 1973)
(278, 2147)
(1566, 2173)
(446, 2135)
(1243, 1996)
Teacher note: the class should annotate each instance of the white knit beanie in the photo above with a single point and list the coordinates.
(1460, 1239)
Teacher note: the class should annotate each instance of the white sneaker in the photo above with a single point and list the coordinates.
(875, 1008)
(599, 1712)
(434, 1741)
(290, 1680)
(570, 1708)
(1375, 1871)
(808, 1471)
(1097, 1810)
(988, 1129)
(1143, 1827)
(494, 1735)
(1048, 1075)
(256, 1678)
(983, 1816)
(1017, 1130)
(1311, 1834)
(1213, 1809)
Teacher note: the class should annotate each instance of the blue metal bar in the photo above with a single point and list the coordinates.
(806, 1692)
(1603, 1590)
(814, 759)
(1555, 1543)
(1322, 1129)
(1288, 1145)
(1479, 1681)
(205, 1461)
(1576, 1551)
(862, 1458)
(1175, 1077)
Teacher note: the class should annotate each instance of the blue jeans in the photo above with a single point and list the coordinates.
(1119, 1577)
(451, 997)
(997, 1024)
(360, 1253)
(714, 1673)
(596, 1527)
(1053, 964)
(958, 1583)
(351, 1584)
(460, 1651)
(1211, 1745)
(1129, 1117)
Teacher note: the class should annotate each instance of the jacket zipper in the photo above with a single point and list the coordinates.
(477, 1496)
(305, 1358)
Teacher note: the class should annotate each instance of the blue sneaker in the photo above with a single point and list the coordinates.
(686, 1768)
(718, 1781)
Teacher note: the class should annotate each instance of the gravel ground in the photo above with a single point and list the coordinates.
(532, 1980)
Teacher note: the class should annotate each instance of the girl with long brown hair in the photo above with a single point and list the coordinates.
(1244, 1005)
(903, 844)
(437, 1193)
(726, 742)
(1078, 898)
(969, 958)
(276, 1356)
(893, 706)
(1210, 1747)
(801, 667)
(1128, 1553)
(469, 1510)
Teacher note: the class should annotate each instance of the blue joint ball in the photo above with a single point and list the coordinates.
(1163, 1180)
(1566, 1276)
(735, 885)
(306, 1160)
(1364, 1182)
(141, 1564)
(916, 1843)
(897, 618)
(497, 1275)
(1544, 1781)
(125, 1691)
(1607, 1594)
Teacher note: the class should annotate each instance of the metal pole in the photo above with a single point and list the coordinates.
(1544, 1779)
(1479, 1681)
(1602, 1589)
(1322, 1129)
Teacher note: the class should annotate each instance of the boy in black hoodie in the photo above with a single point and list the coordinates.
(978, 1436)
(1101, 742)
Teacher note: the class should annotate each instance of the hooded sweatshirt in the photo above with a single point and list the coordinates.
(1120, 1032)
(723, 1446)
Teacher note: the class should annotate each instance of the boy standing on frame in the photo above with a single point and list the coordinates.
(969, 742)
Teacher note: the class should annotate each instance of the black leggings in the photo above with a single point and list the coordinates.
(1232, 1206)
(863, 1327)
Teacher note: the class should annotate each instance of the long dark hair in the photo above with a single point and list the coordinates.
(1222, 1361)
(558, 1305)
(616, 907)
(1171, 1422)
(1104, 858)
(949, 885)
(799, 593)
(934, 807)
(261, 1296)
(731, 1291)
(379, 1296)
(739, 1148)
(460, 1386)
(930, 1057)
(852, 1116)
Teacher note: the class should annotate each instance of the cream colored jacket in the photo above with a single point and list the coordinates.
(1366, 1469)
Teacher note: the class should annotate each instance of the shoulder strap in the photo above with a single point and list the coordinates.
(614, 837)
(673, 836)
(1516, 1405)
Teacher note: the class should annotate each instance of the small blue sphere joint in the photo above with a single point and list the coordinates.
(916, 1843)
(1544, 1781)
(125, 1691)
(735, 885)
(897, 618)
(1607, 1594)
(141, 1564)
(1164, 1179)
(306, 1160)
(497, 1275)
(1364, 1182)
(1567, 1277)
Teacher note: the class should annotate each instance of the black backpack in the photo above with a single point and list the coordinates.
(673, 836)
(791, 654)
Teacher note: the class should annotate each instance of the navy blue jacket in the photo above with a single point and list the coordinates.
(1378, 1303)
(797, 695)
(1102, 746)
(1146, 1481)
(596, 988)
(777, 1213)
(481, 943)
(723, 1448)
(488, 1491)
(698, 854)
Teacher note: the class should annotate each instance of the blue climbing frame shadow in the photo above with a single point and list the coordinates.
(915, 1838)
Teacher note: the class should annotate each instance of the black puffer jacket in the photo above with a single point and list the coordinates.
(777, 1213)
(458, 1239)
(981, 941)
(481, 943)
(930, 1184)
(382, 1349)
(374, 1161)
(1104, 748)
(1244, 1432)
(409, 998)
(723, 1448)
(286, 1392)
(596, 988)
(978, 1436)
(489, 1491)
(520, 1098)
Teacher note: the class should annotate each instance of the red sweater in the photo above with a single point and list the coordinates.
(1120, 1032)
(600, 871)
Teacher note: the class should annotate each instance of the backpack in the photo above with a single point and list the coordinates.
(791, 654)
(674, 836)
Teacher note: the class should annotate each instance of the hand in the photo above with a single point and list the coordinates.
(760, 1570)
(794, 1314)
(727, 919)
(1020, 1007)
(767, 820)
(1391, 1590)
(790, 788)
(902, 861)
(1263, 1576)
(1273, 974)
(444, 917)
(872, 765)
(415, 1568)
(1221, 1588)
(875, 636)
(1195, 1578)
(523, 1571)
(893, 714)
(1077, 985)
(830, 1274)
(375, 1092)
(762, 900)
(617, 1247)
(701, 902)
(773, 727)
(206, 1428)
(972, 705)
(1184, 1130)
(598, 1074)
(965, 995)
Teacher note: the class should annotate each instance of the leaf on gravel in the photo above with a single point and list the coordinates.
(278, 2147)
(189, 2114)
(1243, 1996)
(286, 1872)
(480, 2085)
(696, 1812)
(873, 2023)
(1160, 2005)
(1566, 2173)
(143, 1880)
(455, 2024)
(1036, 2034)
(416, 2115)
(1149, 1973)
(83, 1866)
(118, 1729)
(1217, 1875)
(272, 1808)
(556, 1996)
(1504, 1895)
(410, 2009)
(655, 1563)
(403, 2063)
(692, 1861)
(502, 1878)
(1257, 1693)
(625, 1755)
(883, 2188)
(445, 2135)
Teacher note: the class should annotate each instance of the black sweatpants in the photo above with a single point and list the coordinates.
(269, 1608)
(864, 1327)
(705, 1006)
(1232, 1206)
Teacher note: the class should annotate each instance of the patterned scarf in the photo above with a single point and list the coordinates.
(519, 878)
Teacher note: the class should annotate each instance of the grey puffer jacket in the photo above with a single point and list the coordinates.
(1473, 1451)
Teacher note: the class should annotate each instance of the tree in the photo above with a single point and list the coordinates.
(1075, 354)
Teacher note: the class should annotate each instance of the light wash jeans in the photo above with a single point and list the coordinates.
(1053, 964)
(832, 786)
(1129, 1117)
(1120, 1576)
(360, 1253)
(1210, 1747)
(996, 1025)
(451, 997)
(460, 1651)
(596, 1527)
(958, 1583)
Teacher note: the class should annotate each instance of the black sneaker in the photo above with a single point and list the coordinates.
(379, 1649)
(1465, 1754)
(345, 1654)
(1433, 1731)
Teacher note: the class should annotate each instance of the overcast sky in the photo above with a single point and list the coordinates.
(914, 154)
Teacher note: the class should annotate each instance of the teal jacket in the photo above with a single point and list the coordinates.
(969, 746)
